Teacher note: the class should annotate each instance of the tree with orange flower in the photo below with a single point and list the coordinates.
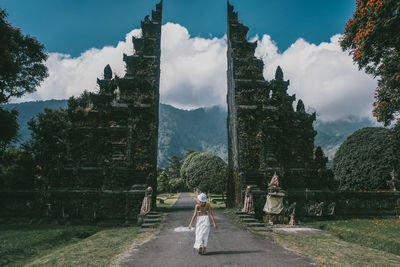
(372, 37)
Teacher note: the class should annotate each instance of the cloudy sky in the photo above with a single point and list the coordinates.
(81, 37)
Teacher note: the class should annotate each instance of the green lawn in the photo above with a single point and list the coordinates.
(366, 242)
(381, 234)
(64, 245)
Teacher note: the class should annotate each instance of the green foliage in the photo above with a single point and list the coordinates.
(9, 127)
(371, 36)
(16, 169)
(78, 106)
(319, 158)
(163, 182)
(29, 110)
(21, 61)
(205, 172)
(177, 185)
(174, 166)
(364, 161)
(48, 143)
(169, 180)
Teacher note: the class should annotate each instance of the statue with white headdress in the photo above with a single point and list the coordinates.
(274, 207)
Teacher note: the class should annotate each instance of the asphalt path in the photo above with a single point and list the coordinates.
(228, 245)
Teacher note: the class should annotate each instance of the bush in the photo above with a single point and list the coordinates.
(16, 169)
(177, 185)
(364, 161)
(205, 172)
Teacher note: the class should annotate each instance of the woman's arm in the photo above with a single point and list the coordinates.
(194, 217)
(212, 215)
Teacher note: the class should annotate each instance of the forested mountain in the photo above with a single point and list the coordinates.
(202, 129)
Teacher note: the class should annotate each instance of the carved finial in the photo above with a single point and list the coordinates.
(300, 106)
(279, 74)
(107, 72)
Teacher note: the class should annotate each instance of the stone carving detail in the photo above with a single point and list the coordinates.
(319, 208)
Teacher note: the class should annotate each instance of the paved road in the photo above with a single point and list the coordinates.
(229, 245)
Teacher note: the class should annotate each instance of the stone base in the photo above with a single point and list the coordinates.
(276, 219)
(89, 206)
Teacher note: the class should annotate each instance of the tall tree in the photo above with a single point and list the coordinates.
(174, 166)
(372, 37)
(22, 69)
(22, 60)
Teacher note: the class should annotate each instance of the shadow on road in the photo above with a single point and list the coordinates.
(232, 252)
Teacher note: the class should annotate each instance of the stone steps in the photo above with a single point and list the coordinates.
(147, 225)
(153, 216)
(150, 220)
(250, 221)
(255, 224)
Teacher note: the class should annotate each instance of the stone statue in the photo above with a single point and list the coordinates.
(146, 204)
(274, 203)
(248, 206)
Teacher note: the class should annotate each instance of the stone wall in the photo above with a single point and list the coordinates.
(93, 206)
(88, 206)
(327, 204)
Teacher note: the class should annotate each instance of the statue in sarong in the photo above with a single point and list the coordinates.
(146, 204)
(248, 205)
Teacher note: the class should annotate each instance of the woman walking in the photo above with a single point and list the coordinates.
(201, 211)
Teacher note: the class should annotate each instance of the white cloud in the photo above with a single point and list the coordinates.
(323, 76)
(69, 76)
(193, 72)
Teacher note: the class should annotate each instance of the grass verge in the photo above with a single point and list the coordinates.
(348, 243)
(167, 200)
(97, 250)
(21, 242)
(329, 250)
(381, 234)
(64, 245)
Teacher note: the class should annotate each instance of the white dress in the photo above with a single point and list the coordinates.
(202, 231)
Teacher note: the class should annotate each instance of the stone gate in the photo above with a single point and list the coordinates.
(265, 133)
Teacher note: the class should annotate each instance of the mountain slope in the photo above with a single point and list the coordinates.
(202, 129)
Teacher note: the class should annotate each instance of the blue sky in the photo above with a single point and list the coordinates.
(74, 26)
(301, 36)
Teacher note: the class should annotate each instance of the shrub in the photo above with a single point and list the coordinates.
(205, 172)
(365, 159)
